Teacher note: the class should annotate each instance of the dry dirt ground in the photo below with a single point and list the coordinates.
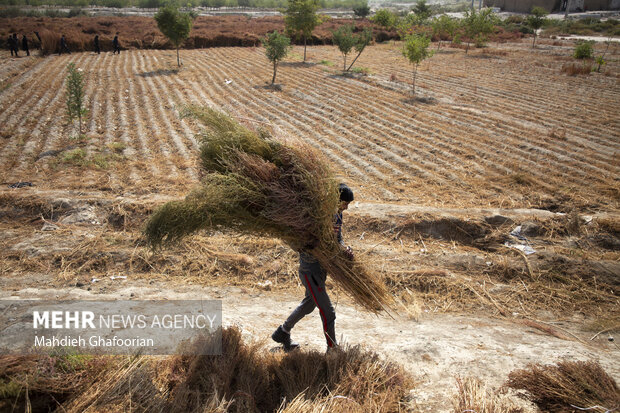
(496, 139)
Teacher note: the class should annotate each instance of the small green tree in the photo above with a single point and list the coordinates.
(175, 25)
(415, 50)
(422, 10)
(478, 26)
(385, 18)
(361, 10)
(584, 49)
(301, 19)
(343, 38)
(600, 60)
(75, 95)
(536, 20)
(276, 48)
(444, 26)
(346, 40)
(362, 40)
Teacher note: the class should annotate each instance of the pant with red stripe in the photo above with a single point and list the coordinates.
(313, 277)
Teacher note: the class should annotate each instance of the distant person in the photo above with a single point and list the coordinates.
(10, 43)
(39, 37)
(96, 42)
(15, 44)
(116, 45)
(25, 45)
(63, 45)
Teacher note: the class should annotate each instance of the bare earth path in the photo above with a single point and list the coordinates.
(435, 349)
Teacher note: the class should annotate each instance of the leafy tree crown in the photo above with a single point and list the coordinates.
(584, 50)
(301, 18)
(422, 9)
(75, 93)
(344, 39)
(537, 19)
(276, 46)
(361, 10)
(384, 18)
(415, 48)
(175, 25)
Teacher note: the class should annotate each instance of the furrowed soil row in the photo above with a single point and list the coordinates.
(186, 134)
(585, 165)
(479, 77)
(15, 94)
(164, 113)
(92, 79)
(343, 127)
(512, 146)
(147, 148)
(486, 127)
(542, 110)
(336, 90)
(389, 122)
(381, 123)
(10, 67)
(266, 115)
(152, 121)
(512, 119)
(262, 100)
(48, 108)
(125, 126)
(141, 152)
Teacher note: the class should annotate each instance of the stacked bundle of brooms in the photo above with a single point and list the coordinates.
(255, 184)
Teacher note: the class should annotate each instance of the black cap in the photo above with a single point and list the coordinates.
(346, 194)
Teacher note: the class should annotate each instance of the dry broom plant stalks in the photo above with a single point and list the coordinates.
(258, 185)
(247, 378)
(473, 396)
(569, 386)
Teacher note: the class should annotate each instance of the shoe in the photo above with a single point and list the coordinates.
(284, 338)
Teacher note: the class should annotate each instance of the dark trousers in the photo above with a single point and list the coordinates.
(117, 49)
(313, 277)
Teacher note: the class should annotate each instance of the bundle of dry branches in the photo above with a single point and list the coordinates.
(568, 386)
(256, 184)
(247, 378)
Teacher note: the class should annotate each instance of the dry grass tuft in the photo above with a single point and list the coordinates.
(473, 396)
(44, 381)
(574, 69)
(247, 378)
(568, 386)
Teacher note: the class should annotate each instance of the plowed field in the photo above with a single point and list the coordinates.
(503, 128)
(494, 193)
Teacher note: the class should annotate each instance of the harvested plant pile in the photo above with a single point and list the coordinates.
(568, 386)
(256, 184)
(247, 378)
